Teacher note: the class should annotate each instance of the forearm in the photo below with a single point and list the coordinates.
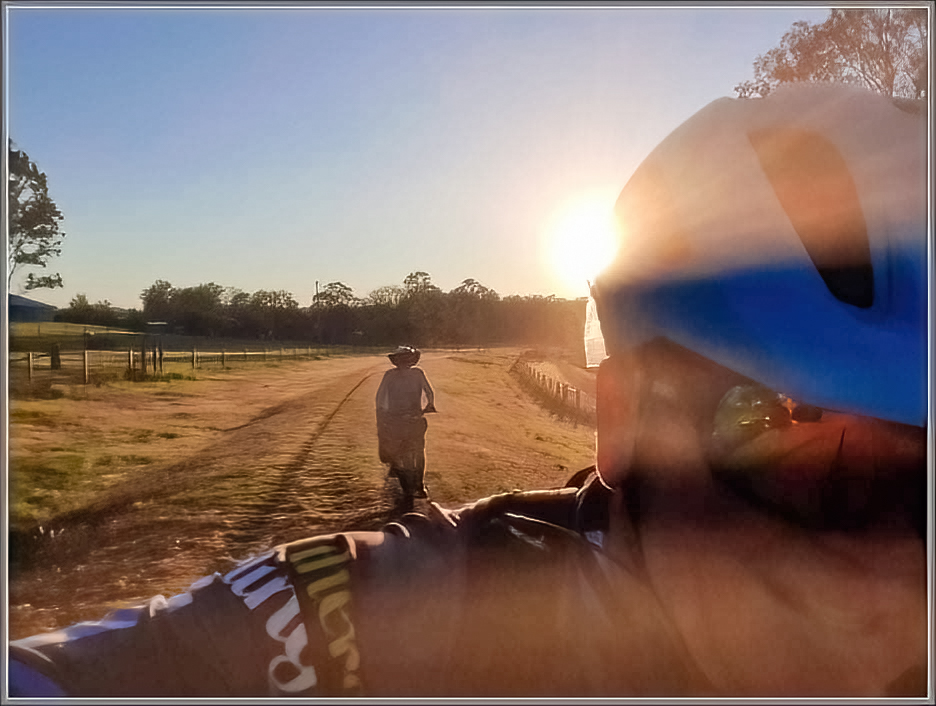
(217, 639)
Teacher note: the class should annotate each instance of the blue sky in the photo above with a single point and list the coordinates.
(265, 148)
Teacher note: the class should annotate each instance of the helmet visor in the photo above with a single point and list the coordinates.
(669, 415)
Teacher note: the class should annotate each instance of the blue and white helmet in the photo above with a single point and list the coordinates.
(785, 238)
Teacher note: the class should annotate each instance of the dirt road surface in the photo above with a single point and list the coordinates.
(257, 457)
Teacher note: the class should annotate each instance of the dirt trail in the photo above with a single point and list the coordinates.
(296, 455)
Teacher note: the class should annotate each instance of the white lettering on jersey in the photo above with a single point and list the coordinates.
(255, 591)
(294, 642)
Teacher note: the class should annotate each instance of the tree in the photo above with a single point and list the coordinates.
(34, 232)
(81, 311)
(471, 313)
(335, 294)
(884, 50)
(198, 309)
(272, 309)
(334, 313)
(157, 305)
(418, 283)
(473, 289)
(388, 295)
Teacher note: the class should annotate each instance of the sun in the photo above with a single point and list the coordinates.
(580, 239)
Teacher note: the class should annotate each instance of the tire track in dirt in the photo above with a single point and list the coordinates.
(321, 489)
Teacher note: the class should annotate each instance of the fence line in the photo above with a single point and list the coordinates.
(560, 397)
(140, 361)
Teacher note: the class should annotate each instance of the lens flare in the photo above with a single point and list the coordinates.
(581, 238)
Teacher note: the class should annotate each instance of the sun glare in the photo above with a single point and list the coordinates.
(581, 239)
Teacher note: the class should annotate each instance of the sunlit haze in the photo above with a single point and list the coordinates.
(580, 239)
(263, 147)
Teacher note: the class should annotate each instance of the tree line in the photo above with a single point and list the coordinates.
(416, 312)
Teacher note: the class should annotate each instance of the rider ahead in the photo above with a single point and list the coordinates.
(401, 426)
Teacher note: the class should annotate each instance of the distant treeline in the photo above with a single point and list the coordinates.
(415, 313)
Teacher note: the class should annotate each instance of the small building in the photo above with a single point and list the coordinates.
(23, 309)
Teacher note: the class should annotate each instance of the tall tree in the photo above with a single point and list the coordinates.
(418, 283)
(388, 295)
(34, 232)
(472, 288)
(335, 294)
(470, 317)
(272, 309)
(157, 300)
(198, 309)
(884, 50)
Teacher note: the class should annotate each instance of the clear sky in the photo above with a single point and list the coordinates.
(269, 148)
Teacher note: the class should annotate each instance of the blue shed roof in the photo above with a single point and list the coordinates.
(17, 300)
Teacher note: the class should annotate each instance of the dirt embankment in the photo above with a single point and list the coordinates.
(252, 458)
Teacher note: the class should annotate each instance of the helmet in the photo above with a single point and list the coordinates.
(785, 239)
(405, 356)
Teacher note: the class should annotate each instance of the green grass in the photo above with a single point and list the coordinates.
(40, 336)
(33, 483)
(42, 488)
(54, 329)
(33, 417)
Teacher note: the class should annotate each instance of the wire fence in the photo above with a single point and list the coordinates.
(557, 396)
(141, 362)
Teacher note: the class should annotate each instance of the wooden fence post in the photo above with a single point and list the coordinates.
(222, 357)
(29, 357)
(87, 377)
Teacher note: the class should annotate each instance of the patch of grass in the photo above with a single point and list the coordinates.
(134, 460)
(172, 393)
(168, 435)
(47, 485)
(37, 390)
(34, 417)
(167, 377)
(38, 487)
